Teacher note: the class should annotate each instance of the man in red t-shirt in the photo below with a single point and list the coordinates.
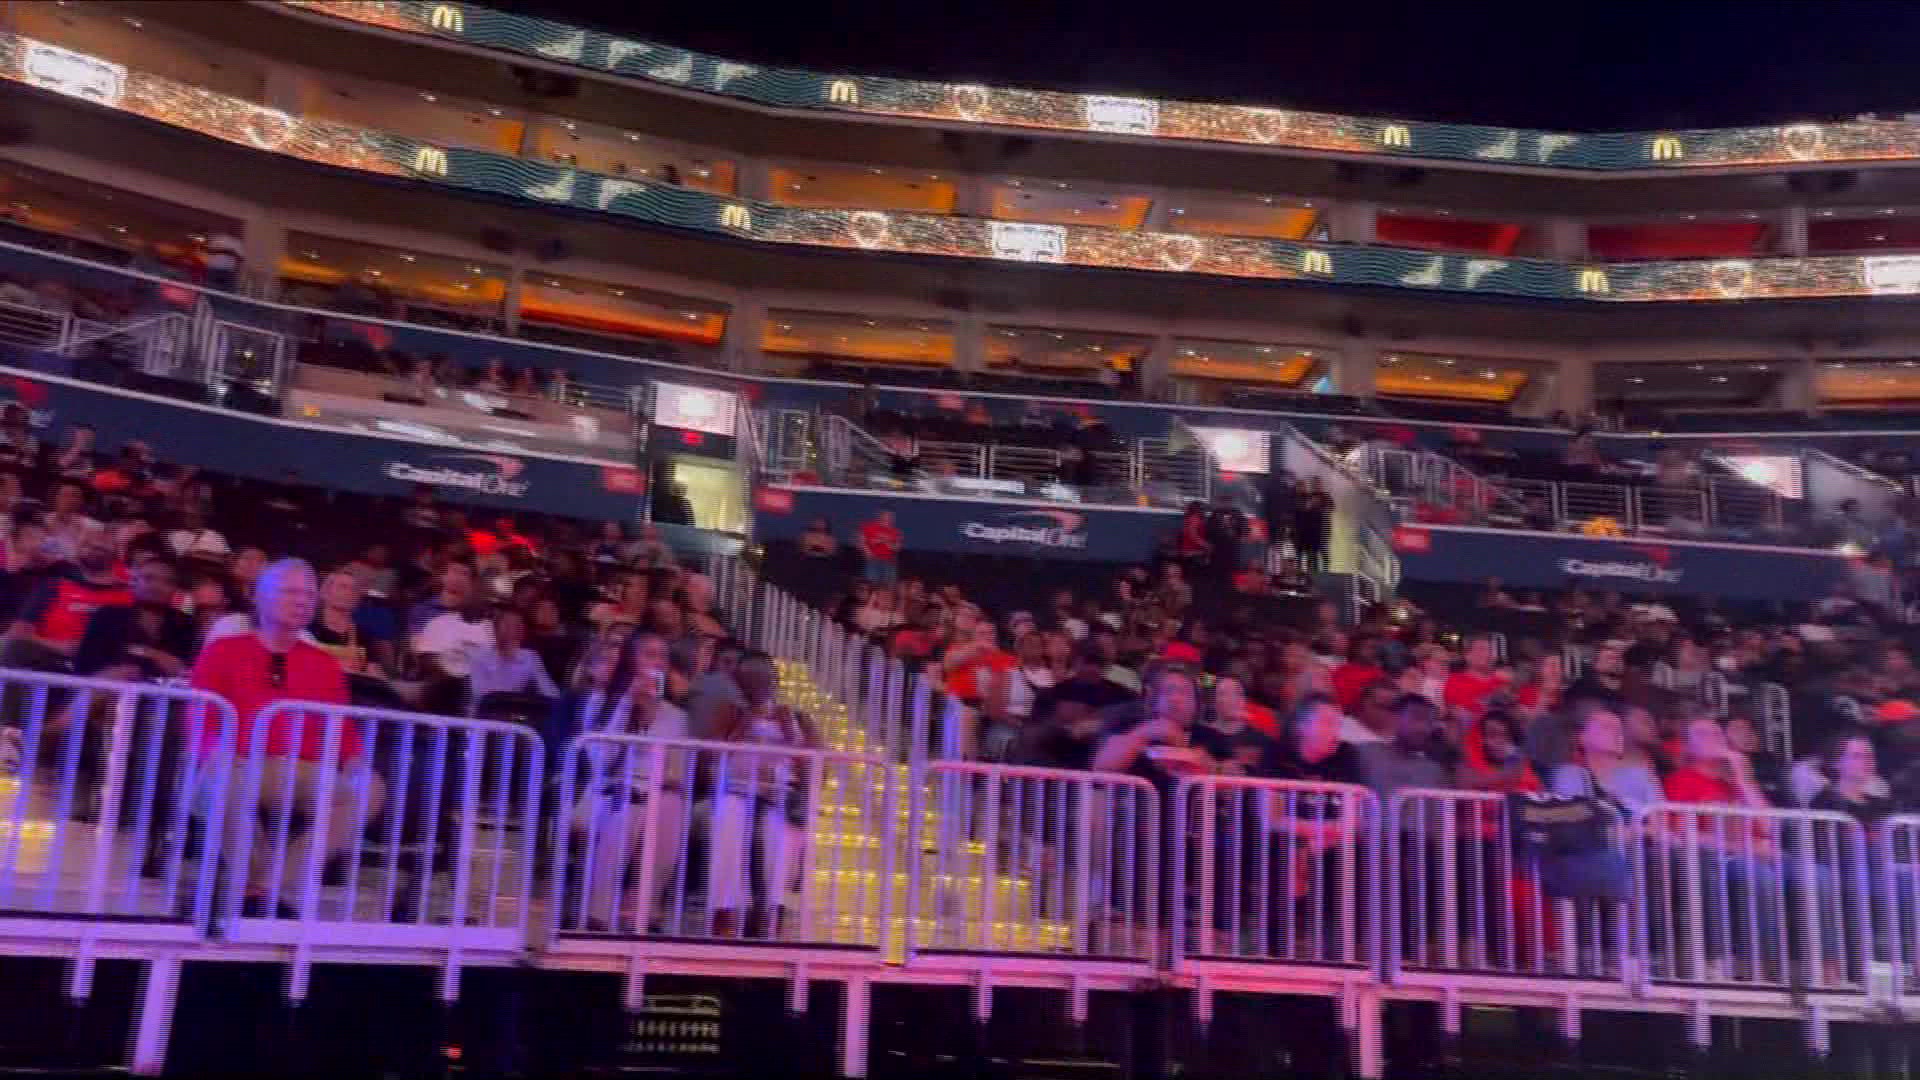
(47, 629)
(880, 544)
(1466, 691)
(289, 756)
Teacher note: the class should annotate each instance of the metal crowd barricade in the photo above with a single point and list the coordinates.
(683, 838)
(1895, 884)
(1465, 902)
(99, 786)
(1276, 871)
(1020, 859)
(353, 826)
(1752, 899)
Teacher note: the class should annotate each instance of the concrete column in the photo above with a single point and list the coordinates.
(1156, 219)
(286, 89)
(745, 334)
(510, 304)
(754, 179)
(1793, 231)
(971, 197)
(264, 240)
(1573, 386)
(1800, 384)
(970, 342)
(1352, 221)
(1566, 240)
(1355, 367)
(1156, 369)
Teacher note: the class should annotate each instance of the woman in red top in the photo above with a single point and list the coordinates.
(284, 764)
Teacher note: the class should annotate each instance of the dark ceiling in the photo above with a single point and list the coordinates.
(1703, 63)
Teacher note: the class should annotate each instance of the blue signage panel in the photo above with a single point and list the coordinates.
(1543, 561)
(970, 527)
(268, 449)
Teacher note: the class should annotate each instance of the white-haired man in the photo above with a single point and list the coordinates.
(273, 663)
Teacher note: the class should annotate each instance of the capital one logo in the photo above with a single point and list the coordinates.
(1056, 530)
(488, 474)
(1656, 569)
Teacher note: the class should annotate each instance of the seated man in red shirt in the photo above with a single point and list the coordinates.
(253, 671)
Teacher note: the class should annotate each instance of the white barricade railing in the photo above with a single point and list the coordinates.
(684, 838)
(1276, 871)
(372, 820)
(100, 796)
(1896, 893)
(1032, 860)
(1752, 899)
(1465, 900)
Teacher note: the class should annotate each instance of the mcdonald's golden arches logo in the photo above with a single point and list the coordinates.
(1397, 136)
(1666, 148)
(1593, 280)
(736, 217)
(447, 17)
(843, 92)
(430, 161)
(1316, 262)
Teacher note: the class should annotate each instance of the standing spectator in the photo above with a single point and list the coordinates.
(271, 663)
(880, 543)
(757, 805)
(1312, 521)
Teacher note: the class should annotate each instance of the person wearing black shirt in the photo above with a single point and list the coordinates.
(147, 639)
(32, 561)
(1159, 742)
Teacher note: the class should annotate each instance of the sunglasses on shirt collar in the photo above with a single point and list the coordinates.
(277, 670)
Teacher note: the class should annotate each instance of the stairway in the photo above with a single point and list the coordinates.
(854, 879)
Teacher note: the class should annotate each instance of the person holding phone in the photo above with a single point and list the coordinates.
(626, 816)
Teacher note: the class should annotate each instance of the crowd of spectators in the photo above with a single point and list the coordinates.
(124, 568)
(1550, 688)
